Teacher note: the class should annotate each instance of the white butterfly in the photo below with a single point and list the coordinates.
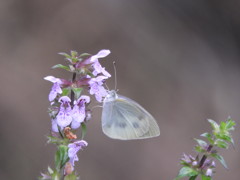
(125, 119)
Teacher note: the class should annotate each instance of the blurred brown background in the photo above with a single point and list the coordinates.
(179, 59)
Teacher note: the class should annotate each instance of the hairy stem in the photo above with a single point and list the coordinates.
(205, 156)
(72, 93)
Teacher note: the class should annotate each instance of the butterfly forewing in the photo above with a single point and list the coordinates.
(125, 119)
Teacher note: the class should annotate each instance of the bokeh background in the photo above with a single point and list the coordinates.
(178, 59)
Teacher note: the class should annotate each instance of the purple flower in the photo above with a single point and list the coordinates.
(64, 117)
(96, 87)
(187, 159)
(54, 125)
(74, 148)
(56, 89)
(97, 68)
(213, 165)
(79, 112)
(101, 54)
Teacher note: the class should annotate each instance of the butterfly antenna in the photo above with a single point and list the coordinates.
(97, 106)
(115, 75)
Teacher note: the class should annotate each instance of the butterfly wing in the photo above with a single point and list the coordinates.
(125, 119)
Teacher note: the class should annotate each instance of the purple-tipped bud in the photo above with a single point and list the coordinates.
(194, 163)
(186, 158)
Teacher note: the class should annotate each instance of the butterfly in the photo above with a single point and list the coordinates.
(125, 119)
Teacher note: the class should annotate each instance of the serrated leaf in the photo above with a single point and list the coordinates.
(224, 137)
(230, 124)
(61, 67)
(232, 141)
(186, 172)
(199, 149)
(84, 129)
(85, 54)
(205, 177)
(214, 125)
(77, 92)
(55, 176)
(201, 142)
(65, 54)
(61, 156)
(220, 158)
(74, 53)
(193, 177)
(65, 91)
(221, 144)
(56, 140)
(208, 136)
(70, 177)
(222, 126)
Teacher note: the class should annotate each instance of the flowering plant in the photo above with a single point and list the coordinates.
(69, 110)
(203, 164)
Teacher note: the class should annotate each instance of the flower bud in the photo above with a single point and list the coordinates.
(209, 172)
(68, 169)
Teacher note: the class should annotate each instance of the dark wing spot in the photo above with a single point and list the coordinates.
(121, 124)
(140, 118)
(135, 125)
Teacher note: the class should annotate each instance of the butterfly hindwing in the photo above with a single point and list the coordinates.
(125, 119)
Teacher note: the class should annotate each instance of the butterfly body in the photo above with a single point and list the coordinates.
(125, 119)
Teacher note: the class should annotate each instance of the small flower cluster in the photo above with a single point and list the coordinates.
(69, 108)
(204, 166)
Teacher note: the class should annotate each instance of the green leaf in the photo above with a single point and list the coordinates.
(85, 54)
(230, 124)
(55, 176)
(224, 137)
(221, 144)
(186, 171)
(205, 177)
(84, 129)
(70, 177)
(61, 156)
(208, 136)
(65, 54)
(199, 149)
(77, 92)
(61, 67)
(220, 158)
(74, 53)
(214, 125)
(222, 126)
(193, 177)
(232, 141)
(65, 91)
(201, 142)
(50, 170)
(56, 140)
